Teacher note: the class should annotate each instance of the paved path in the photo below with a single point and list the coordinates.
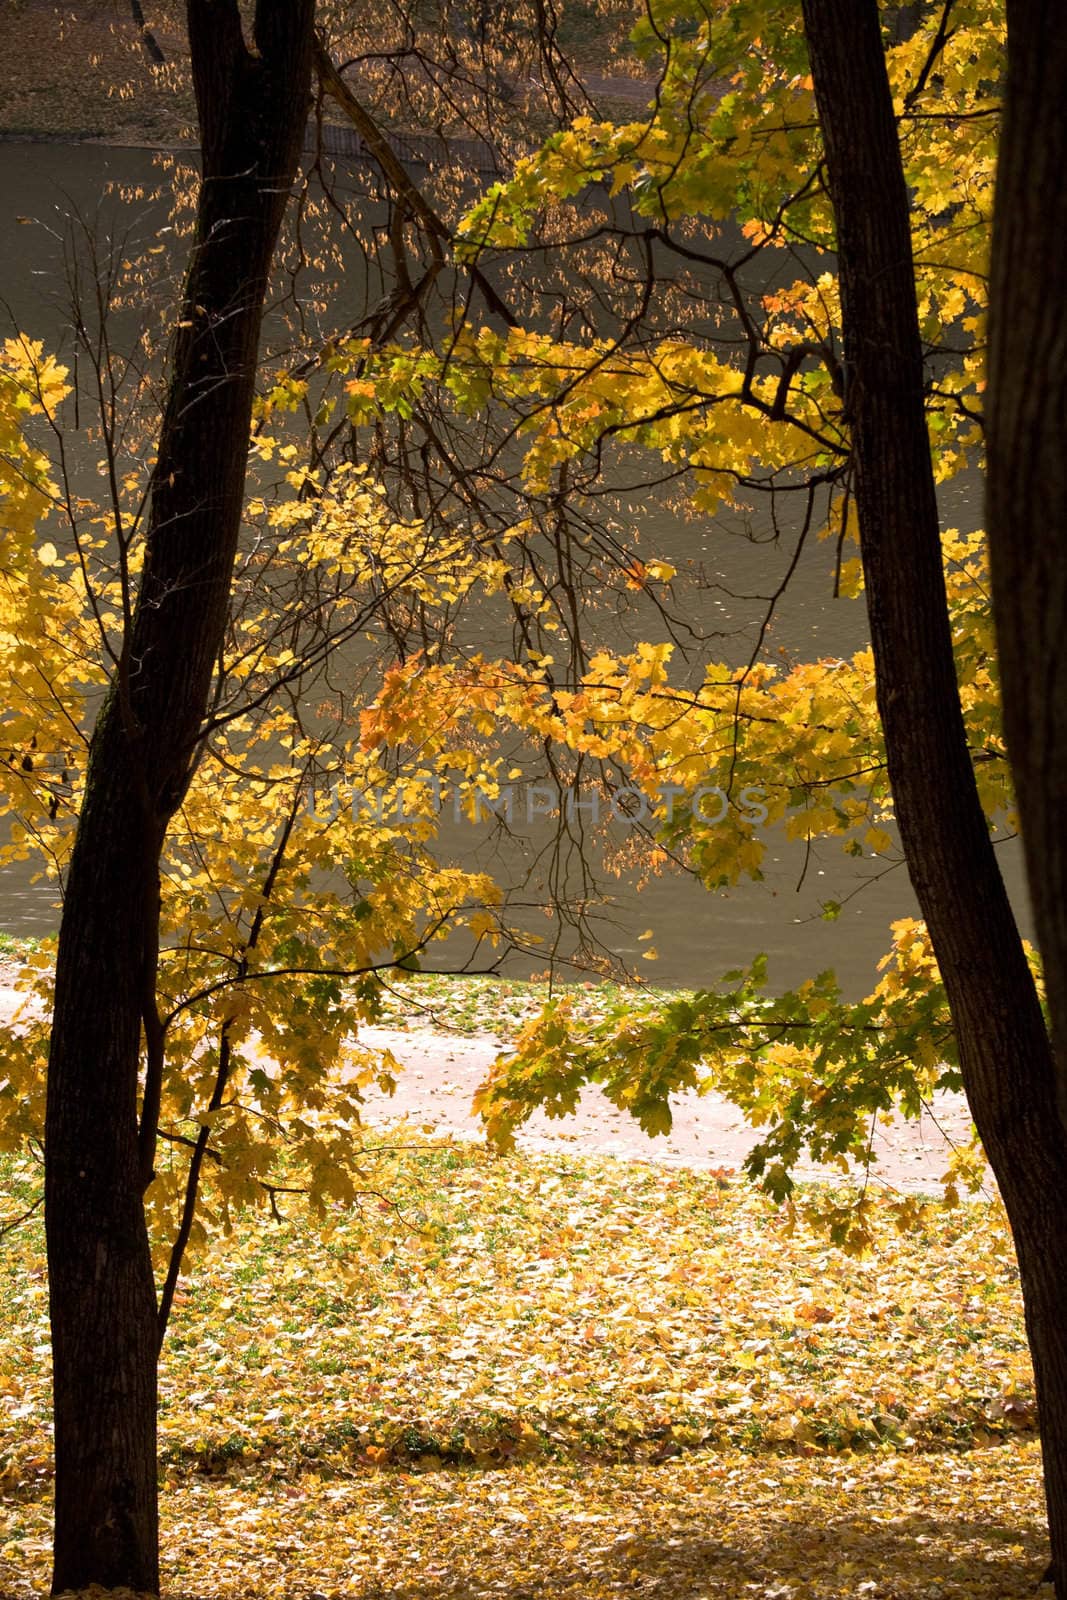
(442, 1071)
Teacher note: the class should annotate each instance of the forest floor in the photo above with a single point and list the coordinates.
(80, 71)
(553, 1374)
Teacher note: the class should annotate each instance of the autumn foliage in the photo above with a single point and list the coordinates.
(416, 607)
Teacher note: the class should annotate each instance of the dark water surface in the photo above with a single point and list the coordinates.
(698, 934)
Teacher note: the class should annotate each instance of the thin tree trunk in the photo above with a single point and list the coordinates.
(99, 1143)
(148, 38)
(1005, 1051)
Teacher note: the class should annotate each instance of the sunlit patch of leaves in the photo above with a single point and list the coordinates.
(704, 1527)
(569, 1321)
(83, 73)
(499, 1006)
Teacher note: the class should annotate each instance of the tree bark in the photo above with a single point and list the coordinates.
(1026, 406)
(100, 1140)
(1005, 1052)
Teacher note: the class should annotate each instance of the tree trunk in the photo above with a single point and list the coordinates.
(99, 1142)
(1027, 525)
(1005, 1052)
(1027, 486)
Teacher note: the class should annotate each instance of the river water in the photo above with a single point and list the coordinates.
(698, 934)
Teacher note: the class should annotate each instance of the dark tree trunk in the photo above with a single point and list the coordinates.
(99, 1139)
(1027, 525)
(148, 38)
(1005, 1051)
(1027, 488)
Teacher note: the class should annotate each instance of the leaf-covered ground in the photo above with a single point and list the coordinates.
(74, 72)
(494, 1005)
(81, 72)
(548, 1376)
